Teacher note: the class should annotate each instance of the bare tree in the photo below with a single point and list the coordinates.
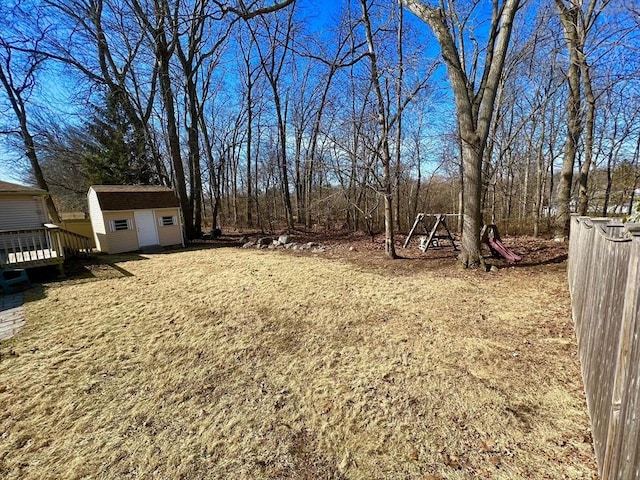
(104, 50)
(17, 77)
(346, 53)
(577, 19)
(384, 152)
(273, 50)
(474, 98)
(199, 55)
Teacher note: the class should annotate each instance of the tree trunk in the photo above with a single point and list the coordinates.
(474, 108)
(471, 254)
(194, 161)
(539, 187)
(166, 90)
(399, 81)
(576, 24)
(30, 152)
(249, 211)
(163, 51)
(574, 130)
(461, 195)
(607, 191)
(590, 100)
(383, 123)
(282, 158)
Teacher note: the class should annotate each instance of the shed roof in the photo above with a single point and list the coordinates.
(16, 189)
(134, 197)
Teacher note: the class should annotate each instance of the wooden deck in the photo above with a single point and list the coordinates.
(39, 247)
(32, 257)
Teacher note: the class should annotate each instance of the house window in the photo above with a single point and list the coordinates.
(167, 221)
(117, 225)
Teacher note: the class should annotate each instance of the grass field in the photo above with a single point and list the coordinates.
(245, 364)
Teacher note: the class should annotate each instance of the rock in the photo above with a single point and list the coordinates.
(276, 243)
(312, 245)
(353, 249)
(493, 269)
(283, 239)
(248, 245)
(244, 239)
(265, 241)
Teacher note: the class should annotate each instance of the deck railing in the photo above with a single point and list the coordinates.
(73, 244)
(35, 247)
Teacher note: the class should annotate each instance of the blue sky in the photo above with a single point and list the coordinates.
(7, 172)
(319, 13)
(51, 98)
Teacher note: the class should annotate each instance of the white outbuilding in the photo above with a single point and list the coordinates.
(127, 218)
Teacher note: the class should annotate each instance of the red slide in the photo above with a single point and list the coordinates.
(504, 252)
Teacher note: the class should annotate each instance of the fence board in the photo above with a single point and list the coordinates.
(604, 276)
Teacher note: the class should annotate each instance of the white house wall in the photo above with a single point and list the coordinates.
(22, 212)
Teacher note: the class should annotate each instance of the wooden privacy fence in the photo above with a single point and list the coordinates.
(604, 280)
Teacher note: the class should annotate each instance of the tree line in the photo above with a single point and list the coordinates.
(269, 115)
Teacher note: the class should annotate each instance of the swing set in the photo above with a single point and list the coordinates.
(436, 230)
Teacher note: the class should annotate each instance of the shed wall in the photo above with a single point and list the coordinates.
(168, 235)
(122, 240)
(97, 222)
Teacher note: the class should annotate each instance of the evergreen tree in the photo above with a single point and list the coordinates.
(115, 155)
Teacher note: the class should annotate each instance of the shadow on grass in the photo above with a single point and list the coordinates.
(17, 299)
(549, 261)
(94, 268)
(100, 267)
(502, 263)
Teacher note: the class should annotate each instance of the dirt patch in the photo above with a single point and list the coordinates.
(231, 363)
(368, 252)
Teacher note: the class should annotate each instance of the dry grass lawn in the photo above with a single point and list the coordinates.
(244, 364)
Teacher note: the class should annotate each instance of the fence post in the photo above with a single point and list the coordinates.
(620, 459)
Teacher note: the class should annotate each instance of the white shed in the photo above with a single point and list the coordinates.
(126, 218)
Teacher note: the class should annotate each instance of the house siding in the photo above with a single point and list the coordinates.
(122, 240)
(169, 235)
(97, 222)
(22, 212)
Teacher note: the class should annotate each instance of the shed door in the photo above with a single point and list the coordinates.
(146, 228)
